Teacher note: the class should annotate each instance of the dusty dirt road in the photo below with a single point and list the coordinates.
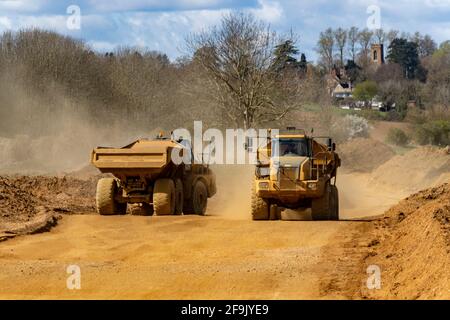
(170, 258)
(221, 256)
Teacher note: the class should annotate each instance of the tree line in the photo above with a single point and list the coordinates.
(239, 73)
(336, 46)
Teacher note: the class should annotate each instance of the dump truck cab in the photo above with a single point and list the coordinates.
(295, 171)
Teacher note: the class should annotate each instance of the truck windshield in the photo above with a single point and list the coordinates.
(290, 147)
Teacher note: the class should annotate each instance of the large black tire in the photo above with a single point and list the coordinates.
(334, 206)
(260, 207)
(164, 197)
(320, 208)
(198, 201)
(104, 198)
(179, 196)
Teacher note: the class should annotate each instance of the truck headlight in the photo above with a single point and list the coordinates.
(263, 171)
(312, 186)
(263, 185)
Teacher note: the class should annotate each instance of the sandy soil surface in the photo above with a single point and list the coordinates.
(172, 258)
(225, 255)
(380, 129)
(411, 245)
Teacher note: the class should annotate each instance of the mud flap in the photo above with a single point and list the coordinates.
(296, 215)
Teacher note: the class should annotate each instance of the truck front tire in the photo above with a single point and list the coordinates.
(326, 207)
(321, 206)
(334, 205)
(260, 207)
(198, 200)
(164, 197)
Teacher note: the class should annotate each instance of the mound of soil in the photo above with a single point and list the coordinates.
(417, 169)
(23, 198)
(86, 172)
(411, 245)
(363, 154)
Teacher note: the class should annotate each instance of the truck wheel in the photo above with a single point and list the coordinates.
(334, 203)
(320, 208)
(179, 197)
(198, 201)
(164, 197)
(260, 207)
(106, 204)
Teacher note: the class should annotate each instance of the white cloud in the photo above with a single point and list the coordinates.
(55, 23)
(5, 23)
(438, 3)
(102, 46)
(160, 5)
(166, 31)
(21, 6)
(269, 11)
(107, 23)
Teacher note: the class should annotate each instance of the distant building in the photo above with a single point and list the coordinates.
(342, 91)
(377, 54)
(338, 83)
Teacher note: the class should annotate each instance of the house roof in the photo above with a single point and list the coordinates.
(340, 89)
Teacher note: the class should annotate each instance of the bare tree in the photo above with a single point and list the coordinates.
(427, 46)
(340, 35)
(392, 35)
(325, 47)
(237, 56)
(380, 36)
(365, 40)
(353, 38)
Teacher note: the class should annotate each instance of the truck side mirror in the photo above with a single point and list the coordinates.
(330, 144)
(333, 147)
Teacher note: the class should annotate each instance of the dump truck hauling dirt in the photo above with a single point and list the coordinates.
(147, 176)
(295, 171)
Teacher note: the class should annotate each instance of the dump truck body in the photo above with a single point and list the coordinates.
(146, 174)
(295, 171)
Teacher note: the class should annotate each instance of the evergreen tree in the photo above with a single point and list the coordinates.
(285, 54)
(354, 72)
(405, 53)
(303, 64)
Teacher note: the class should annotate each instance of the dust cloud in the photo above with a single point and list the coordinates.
(358, 198)
(52, 134)
(232, 200)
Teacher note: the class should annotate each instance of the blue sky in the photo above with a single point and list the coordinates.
(163, 25)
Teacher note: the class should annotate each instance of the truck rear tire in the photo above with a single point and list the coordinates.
(164, 197)
(106, 204)
(321, 207)
(179, 195)
(260, 207)
(198, 201)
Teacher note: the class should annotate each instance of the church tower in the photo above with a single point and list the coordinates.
(377, 54)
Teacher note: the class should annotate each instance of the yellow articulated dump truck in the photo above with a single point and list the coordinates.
(145, 176)
(295, 171)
